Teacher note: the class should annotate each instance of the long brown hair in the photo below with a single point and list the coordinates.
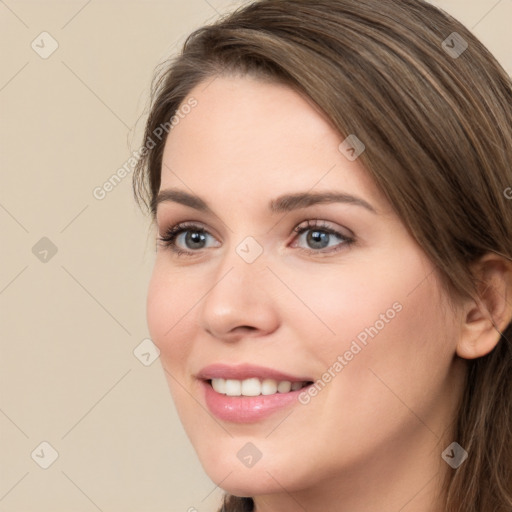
(434, 110)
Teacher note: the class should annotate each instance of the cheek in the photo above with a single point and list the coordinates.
(395, 364)
(168, 303)
(392, 334)
(337, 305)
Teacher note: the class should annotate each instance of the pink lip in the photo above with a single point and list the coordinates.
(246, 409)
(245, 371)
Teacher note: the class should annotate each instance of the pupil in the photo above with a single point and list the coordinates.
(194, 237)
(316, 239)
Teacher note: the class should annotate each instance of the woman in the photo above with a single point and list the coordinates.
(332, 291)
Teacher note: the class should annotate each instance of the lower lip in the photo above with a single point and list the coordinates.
(247, 409)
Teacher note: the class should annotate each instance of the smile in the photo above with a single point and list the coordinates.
(255, 386)
(246, 393)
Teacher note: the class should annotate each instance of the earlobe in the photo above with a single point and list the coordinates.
(487, 316)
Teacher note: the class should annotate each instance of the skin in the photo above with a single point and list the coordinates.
(372, 438)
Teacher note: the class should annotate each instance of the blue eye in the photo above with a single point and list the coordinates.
(319, 237)
(189, 238)
(194, 239)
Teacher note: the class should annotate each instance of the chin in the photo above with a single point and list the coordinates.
(267, 476)
(243, 482)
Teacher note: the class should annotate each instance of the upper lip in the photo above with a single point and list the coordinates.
(246, 371)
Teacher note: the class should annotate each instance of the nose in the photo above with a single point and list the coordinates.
(239, 301)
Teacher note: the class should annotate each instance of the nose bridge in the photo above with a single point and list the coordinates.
(242, 268)
(244, 264)
(237, 296)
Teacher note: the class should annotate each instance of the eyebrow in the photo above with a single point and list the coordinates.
(281, 204)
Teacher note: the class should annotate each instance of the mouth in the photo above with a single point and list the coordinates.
(255, 386)
(247, 393)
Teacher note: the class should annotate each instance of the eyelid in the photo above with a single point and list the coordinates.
(325, 225)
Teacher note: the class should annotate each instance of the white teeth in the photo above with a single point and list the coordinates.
(254, 386)
(233, 387)
(284, 387)
(251, 387)
(219, 385)
(268, 387)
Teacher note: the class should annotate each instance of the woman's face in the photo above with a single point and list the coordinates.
(279, 283)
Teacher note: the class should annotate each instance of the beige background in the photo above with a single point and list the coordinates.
(69, 325)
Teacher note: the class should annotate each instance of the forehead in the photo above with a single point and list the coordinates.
(250, 136)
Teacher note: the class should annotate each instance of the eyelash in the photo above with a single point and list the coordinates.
(168, 239)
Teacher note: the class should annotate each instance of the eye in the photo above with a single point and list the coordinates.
(192, 237)
(318, 236)
(187, 238)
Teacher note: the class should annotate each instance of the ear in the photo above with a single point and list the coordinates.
(489, 314)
